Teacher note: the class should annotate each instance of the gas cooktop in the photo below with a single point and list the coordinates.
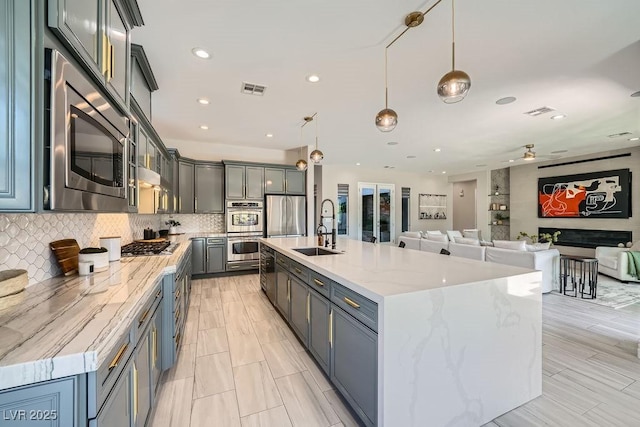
(148, 248)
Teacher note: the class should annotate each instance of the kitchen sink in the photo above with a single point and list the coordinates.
(316, 251)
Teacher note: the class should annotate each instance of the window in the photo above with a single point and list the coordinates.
(343, 212)
(406, 195)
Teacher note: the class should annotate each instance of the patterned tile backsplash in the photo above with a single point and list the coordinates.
(25, 238)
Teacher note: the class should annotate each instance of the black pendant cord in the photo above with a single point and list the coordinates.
(453, 35)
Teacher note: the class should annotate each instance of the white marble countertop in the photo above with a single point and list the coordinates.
(67, 325)
(203, 234)
(377, 271)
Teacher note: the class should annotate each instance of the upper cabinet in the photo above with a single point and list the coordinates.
(284, 181)
(244, 182)
(98, 33)
(295, 182)
(16, 125)
(209, 188)
(143, 82)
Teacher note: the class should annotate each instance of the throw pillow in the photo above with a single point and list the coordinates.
(453, 234)
(635, 247)
(515, 245)
(413, 234)
(471, 233)
(467, 241)
(434, 233)
(538, 247)
(435, 238)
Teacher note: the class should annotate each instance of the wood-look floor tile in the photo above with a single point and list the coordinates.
(269, 332)
(490, 424)
(216, 410)
(211, 341)
(306, 407)
(210, 304)
(276, 417)
(519, 417)
(236, 319)
(213, 374)
(230, 296)
(282, 358)
(258, 312)
(573, 396)
(574, 349)
(256, 388)
(190, 334)
(318, 375)
(340, 408)
(244, 348)
(173, 404)
(211, 319)
(598, 390)
(614, 415)
(633, 390)
(629, 366)
(185, 365)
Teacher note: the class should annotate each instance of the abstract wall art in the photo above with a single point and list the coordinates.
(605, 194)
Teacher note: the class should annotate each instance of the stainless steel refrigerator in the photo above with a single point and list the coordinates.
(286, 216)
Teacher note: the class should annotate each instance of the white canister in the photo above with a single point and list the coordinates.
(112, 244)
(100, 260)
(85, 268)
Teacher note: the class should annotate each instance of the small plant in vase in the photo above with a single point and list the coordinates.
(173, 226)
(539, 238)
(500, 218)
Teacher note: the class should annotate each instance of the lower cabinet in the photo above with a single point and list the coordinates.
(156, 345)
(198, 256)
(299, 310)
(142, 382)
(354, 368)
(117, 410)
(215, 259)
(319, 310)
(282, 291)
(208, 255)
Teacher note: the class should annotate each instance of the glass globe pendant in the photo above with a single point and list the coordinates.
(301, 165)
(386, 119)
(455, 85)
(316, 155)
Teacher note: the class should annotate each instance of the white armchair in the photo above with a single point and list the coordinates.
(614, 262)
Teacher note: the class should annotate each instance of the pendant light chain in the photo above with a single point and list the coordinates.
(386, 83)
(453, 35)
(316, 132)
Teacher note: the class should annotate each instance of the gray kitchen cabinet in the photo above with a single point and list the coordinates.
(142, 381)
(295, 182)
(156, 335)
(209, 189)
(244, 182)
(282, 291)
(132, 170)
(274, 180)
(175, 183)
(16, 129)
(117, 410)
(299, 310)
(319, 310)
(142, 82)
(198, 256)
(117, 51)
(185, 183)
(216, 259)
(60, 402)
(354, 367)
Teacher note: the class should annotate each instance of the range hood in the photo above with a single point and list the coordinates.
(153, 197)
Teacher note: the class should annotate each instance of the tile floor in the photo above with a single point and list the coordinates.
(240, 365)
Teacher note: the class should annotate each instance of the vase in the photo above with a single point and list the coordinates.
(173, 230)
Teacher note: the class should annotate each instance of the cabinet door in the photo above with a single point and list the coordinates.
(274, 181)
(142, 382)
(209, 189)
(156, 346)
(235, 181)
(185, 194)
(271, 278)
(282, 291)
(319, 309)
(299, 293)
(255, 182)
(116, 410)
(198, 256)
(117, 52)
(354, 367)
(15, 110)
(215, 259)
(295, 182)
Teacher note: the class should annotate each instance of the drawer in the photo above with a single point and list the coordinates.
(320, 283)
(282, 261)
(299, 270)
(363, 309)
(113, 365)
(266, 249)
(177, 299)
(217, 241)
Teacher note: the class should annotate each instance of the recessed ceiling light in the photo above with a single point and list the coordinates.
(411, 157)
(392, 143)
(437, 150)
(558, 117)
(559, 151)
(511, 160)
(313, 78)
(430, 171)
(444, 171)
(635, 138)
(506, 100)
(203, 101)
(636, 94)
(357, 164)
(200, 53)
(268, 135)
(204, 127)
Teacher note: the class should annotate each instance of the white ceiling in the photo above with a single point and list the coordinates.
(581, 57)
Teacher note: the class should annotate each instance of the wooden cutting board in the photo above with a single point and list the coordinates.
(66, 252)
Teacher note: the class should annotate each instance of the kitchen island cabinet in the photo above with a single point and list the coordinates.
(407, 336)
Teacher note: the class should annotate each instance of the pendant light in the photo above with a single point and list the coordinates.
(316, 155)
(386, 119)
(454, 85)
(301, 164)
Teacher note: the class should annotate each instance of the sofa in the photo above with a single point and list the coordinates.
(467, 251)
(614, 262)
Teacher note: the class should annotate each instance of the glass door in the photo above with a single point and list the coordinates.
(376, 212)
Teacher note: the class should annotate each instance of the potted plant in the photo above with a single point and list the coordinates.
(539, 238)
(173, 226)
(500, 217)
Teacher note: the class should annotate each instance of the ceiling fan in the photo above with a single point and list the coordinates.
(529, 155)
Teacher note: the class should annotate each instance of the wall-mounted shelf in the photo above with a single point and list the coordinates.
(432, 206)
(499, 225)
(498, 210)
(498, 195)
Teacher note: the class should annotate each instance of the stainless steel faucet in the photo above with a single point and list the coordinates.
(333, 221)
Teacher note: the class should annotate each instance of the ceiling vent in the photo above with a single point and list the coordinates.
(616, 135)
(253, 89)
(539, 111)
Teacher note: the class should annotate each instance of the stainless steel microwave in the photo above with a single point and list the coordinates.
(85, 143)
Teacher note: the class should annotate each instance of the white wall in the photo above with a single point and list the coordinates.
(524, 196)
(483, 189)
(211, 151)
(464, 207)
(419, 183)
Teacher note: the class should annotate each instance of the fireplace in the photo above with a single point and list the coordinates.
(588, 238)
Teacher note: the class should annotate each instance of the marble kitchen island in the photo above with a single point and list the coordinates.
(458, 340)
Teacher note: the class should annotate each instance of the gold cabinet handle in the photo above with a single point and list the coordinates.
(195, 200)
(178, 339)
(298, 270)
(154, 343)
(159, 294)
(351, 302)
(144, 317)
(116, 360)
(308, 307)
(111, 60)
(105, 54)
(318, 282)
(331, 328)
(177, 314)
(177, 294)
(135, 392)
(288, 289)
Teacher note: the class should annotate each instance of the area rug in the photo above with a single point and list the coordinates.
(614, 294)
